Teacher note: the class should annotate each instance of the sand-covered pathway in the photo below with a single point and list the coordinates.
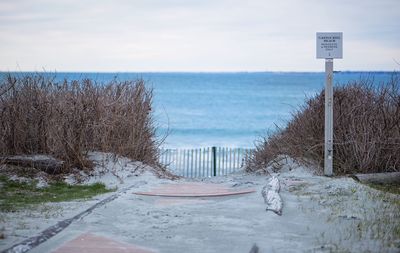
(319, 215)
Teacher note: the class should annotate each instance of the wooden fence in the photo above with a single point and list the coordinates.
(204, 162)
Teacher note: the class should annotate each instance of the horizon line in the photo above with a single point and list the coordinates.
(192, 72)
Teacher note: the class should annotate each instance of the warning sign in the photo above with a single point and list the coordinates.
(330, 45)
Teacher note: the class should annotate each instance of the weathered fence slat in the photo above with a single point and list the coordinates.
(204, 162)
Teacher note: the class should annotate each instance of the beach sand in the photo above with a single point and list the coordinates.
(320, 214)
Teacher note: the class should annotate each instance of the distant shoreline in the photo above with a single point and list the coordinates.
(198, 72)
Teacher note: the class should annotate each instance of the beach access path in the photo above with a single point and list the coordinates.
(320, 214)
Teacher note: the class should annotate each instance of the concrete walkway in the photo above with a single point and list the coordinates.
(319, 215)
(182, 194)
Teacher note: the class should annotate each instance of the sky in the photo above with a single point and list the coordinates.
(195, 35)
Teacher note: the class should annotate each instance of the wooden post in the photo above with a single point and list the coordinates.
(329, 46)
(328, 152)
(214, 156)
(183, 161)
(230, 160)
(204, 161)
(220, 160)
(187, 157)
(191, 163)
(179, 166)
(195, 163)
(208, 161)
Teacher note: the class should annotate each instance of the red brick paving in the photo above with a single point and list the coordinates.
(90, 243)
(179, 201)
(193, 190)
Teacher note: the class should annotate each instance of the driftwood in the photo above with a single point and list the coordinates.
(47, 164)
(378, 178)
(270, 193)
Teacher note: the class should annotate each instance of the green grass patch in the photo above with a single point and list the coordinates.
(17, 195)
(392, 188)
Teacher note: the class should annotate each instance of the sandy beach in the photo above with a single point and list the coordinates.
(320, 214)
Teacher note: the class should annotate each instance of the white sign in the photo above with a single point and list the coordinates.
(330, 45)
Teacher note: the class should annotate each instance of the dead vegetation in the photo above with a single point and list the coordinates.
(366, 130)
(67, 119)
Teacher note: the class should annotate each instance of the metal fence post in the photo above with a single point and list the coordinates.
(214, 154)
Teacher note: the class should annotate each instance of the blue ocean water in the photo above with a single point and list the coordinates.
(226, 109)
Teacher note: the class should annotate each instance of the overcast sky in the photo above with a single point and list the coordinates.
(195, 35)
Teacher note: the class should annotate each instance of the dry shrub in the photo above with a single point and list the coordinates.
(67, 119)
(366, 131)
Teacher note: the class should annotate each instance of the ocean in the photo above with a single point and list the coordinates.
(226, 109)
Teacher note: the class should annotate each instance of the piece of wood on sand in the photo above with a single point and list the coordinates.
(270, 193)
(44, 163)
(378, 178)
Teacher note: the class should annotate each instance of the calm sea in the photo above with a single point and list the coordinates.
(226, 109)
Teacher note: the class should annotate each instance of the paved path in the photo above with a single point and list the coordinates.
(205, 224)
(319, 215)
(182, 193)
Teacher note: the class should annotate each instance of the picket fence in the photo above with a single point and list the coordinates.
(205, 162)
